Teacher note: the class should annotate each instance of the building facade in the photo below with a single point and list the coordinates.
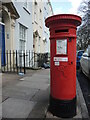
(25, 26)
(9, 16)
(41, 10)
(47, 12)
(24, 36)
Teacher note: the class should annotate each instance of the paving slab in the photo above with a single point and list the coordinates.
(0, 98)
(0, 91)
(30, 98)
(4, 98)
(25, 94)
(36, 85)
(19, 88)
(0, 79)
(10, 79)
(44, 72)
(0, 87)
(0, 111)
(18, 94)
(34, 79)
(41, 76)
(16, 108)
(41, 96)
(39, 111)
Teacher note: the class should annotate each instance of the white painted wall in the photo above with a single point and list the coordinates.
(38, 25)
(26, 20)
(47, 12)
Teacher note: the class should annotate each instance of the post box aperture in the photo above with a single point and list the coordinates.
(63, 64)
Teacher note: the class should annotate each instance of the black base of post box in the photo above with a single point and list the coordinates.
(62, 108)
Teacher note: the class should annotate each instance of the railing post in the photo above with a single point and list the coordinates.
(10, 60)
(24, 65)
(20, 60)
(7, 60)
(4, 60)
(13, 62)
(34, 59)
(26, 58)
(16, 62)
(29, 58)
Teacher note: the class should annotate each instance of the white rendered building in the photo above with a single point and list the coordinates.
(41, 10)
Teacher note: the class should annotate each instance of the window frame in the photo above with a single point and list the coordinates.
(22, 36)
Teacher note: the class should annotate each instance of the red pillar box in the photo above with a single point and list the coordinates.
(63, 64)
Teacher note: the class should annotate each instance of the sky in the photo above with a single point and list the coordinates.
(65, 6)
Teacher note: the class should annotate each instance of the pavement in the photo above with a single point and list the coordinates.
(28, 96)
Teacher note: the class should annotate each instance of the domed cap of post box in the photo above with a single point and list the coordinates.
(63, 19)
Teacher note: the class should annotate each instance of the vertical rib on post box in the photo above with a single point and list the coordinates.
(63, 64)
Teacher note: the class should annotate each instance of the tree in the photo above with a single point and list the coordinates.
(83, 32)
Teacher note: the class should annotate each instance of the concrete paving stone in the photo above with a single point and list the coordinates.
(30, 72)
(79, 114)
(44, 71)
(50, 115)
(0, 91)
(16, 108)
(34, 79)
(0, 99)
(35, 85)
(0, 82)
(4, 98)
(10, 83)
(10, 79)
(41, 96)
(20, 88)
(0, 111)
(25, 94)
(42, 76)
(39, 111)
(0, 76)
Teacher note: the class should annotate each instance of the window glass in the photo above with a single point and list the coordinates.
(22, 38)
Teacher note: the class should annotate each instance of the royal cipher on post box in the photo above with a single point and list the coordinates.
(63, 64)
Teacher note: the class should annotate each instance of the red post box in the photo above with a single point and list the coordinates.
(63, 64)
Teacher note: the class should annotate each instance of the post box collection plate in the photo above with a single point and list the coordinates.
(61, 46)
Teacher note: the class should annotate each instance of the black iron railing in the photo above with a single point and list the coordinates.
(19, 61)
